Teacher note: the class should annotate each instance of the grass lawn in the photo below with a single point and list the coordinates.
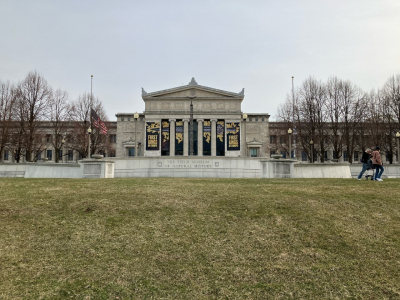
(199, 239)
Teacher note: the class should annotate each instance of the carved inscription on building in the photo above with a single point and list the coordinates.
(187, 164)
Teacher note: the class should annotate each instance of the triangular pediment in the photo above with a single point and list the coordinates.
(194, 93)
(192, 90)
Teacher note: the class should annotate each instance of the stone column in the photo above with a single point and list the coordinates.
(185, 137)
(244, 143)
(171, 137)
(213, 137)
(200, 137)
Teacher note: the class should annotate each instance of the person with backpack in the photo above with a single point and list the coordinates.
(365, 159)
(378, 164)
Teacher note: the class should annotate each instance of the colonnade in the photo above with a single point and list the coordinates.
(200, 123)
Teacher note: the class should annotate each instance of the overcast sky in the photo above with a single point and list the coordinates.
(228, 45)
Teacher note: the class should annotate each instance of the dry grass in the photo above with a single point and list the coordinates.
(199, 239)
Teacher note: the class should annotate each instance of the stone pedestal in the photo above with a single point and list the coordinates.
(97, 168)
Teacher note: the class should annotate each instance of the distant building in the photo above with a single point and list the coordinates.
(190, 120)
(219, 126)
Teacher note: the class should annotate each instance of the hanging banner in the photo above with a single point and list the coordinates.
(220, 136)
(165, 136)
(179, 136)
(233, 135)
(207, 135)
(152, 135)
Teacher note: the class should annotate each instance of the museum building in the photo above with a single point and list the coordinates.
(192, 120)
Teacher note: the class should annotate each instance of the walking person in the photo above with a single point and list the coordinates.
(365, 159)
(377, 163)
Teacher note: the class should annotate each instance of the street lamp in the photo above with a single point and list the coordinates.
(312, 150)
(244, 123)
(290, 142)
(89, 132)
(136, 116)
(62, 148)
(398, 150)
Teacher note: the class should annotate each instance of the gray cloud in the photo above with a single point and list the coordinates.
(228, 45)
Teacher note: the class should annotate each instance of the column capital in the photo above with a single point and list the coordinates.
(200, 120)
(172, 120)
(185, 120)
(213, 120)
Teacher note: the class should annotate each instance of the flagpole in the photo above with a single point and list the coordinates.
(294, 123)
(90, 112)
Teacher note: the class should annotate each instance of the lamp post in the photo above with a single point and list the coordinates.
(245, 144)
(398, 150)
(290, 142)
(294, 123)
(136, 116)
(90, 113)
(62, 148)
(312, 150)
(89, 132)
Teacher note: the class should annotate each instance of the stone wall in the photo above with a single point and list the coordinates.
(317, 170)
(391, 171)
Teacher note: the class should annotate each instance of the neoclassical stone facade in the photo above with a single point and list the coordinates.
(216, 121)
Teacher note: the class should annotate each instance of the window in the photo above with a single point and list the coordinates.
(60, 155)
(38, 154)
(253, 152)
(112, 153)
(283, 153)
(262, 119)
(272, 139)
(292, 154)
(48, 138)
(80, 156)
(388, 156)
(271, 153)
(282, 139)
(345, 156)
(131, 151)
(304, 156)
(256, 120)
(334, 155)
(6, 154)
(129, 119)
(249, 119)
(70, 155)
(49, 154)
(326, 155)
(122, 119)
(356, 156)
(113, 138)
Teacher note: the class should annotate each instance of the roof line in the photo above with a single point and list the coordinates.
(241, 94)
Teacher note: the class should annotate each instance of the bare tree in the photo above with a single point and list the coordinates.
(81, 116)
(391, 93)
(353, 107)
(311, 114)
(60, 115)
(375, 129)
(7, 103)
(285, 117)
(335, 113)
(33, 95)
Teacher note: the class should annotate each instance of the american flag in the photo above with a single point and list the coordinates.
(98, 123)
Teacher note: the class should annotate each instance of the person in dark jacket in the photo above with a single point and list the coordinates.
(365, 160)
